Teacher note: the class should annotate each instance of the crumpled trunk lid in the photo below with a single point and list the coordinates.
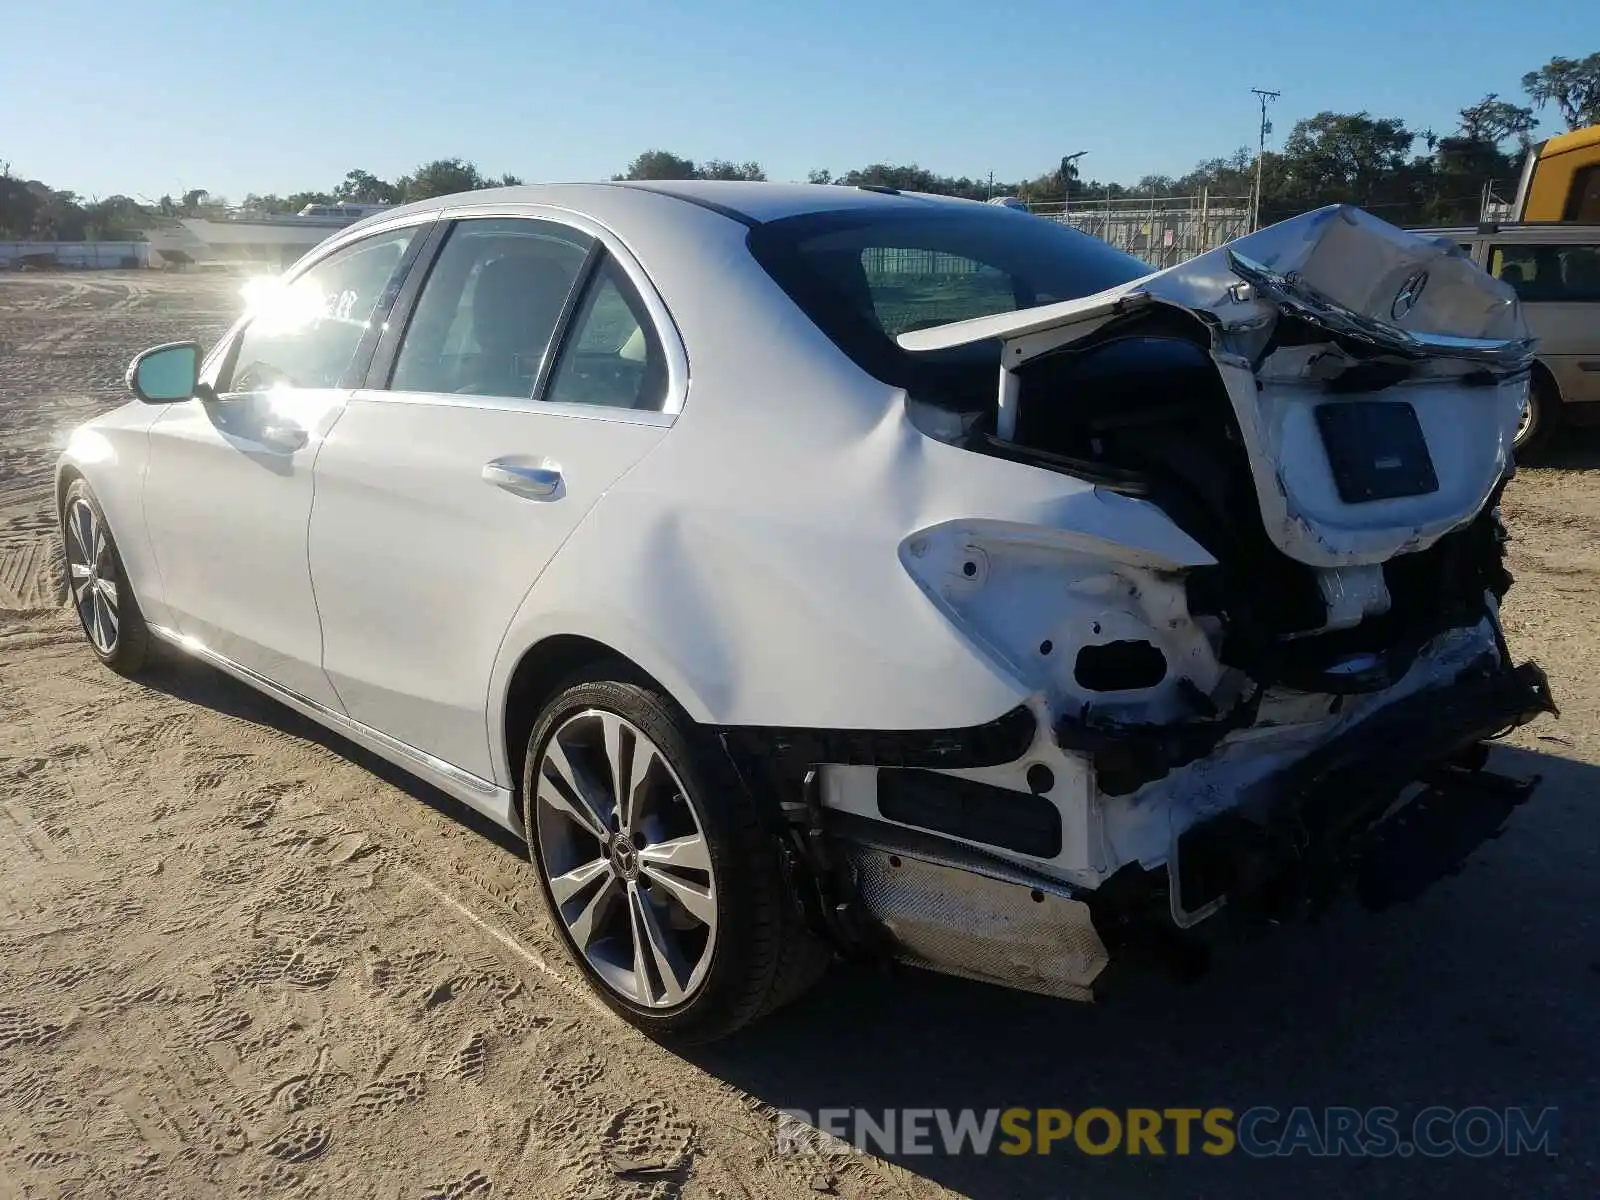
(1377, 377)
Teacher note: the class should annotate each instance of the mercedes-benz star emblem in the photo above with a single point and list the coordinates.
(624, 858)
(1410, 292)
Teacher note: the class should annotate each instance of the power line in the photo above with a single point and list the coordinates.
(1265, 97)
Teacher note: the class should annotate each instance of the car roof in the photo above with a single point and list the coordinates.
(750, 203)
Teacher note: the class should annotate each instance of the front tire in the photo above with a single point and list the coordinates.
(663, 886)
(97, 584)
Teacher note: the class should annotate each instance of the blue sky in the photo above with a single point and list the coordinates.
(165, 95)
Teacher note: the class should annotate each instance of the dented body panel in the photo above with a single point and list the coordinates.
(1458, 333)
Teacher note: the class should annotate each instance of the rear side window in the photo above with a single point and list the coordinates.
(1550, 274)
(866, 276)
(612, 354)
(486, 315)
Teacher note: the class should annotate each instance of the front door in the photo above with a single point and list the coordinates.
(442, 494)
(227, 497)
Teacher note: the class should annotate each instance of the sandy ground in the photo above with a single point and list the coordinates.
(240, 957)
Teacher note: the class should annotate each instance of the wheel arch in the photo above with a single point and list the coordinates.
(67, 473)
(1545, 377)
(541, 669)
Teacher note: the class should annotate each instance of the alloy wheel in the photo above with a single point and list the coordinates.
(626, 859)
(92, 575)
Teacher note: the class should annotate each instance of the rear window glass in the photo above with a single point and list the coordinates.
(866, 277)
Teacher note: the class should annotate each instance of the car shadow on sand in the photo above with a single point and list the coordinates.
(197, 683)
(1482, 993)
(1573, 448)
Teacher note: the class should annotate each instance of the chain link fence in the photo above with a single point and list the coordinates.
(1162, 230)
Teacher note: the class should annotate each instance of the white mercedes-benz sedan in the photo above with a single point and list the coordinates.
(812, 571)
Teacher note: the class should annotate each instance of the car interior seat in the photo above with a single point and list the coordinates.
(515, 306)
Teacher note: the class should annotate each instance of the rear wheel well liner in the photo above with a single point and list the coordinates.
(539, 675)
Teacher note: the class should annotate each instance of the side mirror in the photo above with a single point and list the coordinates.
(166, 374)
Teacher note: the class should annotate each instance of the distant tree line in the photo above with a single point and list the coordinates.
(1404, 175)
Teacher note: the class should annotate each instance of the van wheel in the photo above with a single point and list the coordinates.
(667, 892)
(1541, 416)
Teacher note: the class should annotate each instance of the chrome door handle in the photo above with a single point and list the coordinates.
(287, 438)
(540, 481)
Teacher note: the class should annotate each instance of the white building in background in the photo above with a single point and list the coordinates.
(246, 237)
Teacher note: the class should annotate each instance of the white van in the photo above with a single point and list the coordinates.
(1555, 269)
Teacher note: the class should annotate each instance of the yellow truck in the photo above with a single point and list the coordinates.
(1561, 179)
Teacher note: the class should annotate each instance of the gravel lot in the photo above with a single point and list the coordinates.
(239, 956)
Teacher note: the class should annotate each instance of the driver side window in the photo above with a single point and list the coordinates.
(305, 333)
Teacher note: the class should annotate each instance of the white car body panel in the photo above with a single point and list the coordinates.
(227, 501)
(112, 452)
(411, 547)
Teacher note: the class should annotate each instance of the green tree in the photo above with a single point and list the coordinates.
(270, 204)
(1572, 85)
(114, 219)
(1351, 157)
(660, 164)
(18, 205)
(445, 177)
(1492, 120)
(909, 177)
(296, 201)
(718, 168)
(363, 187)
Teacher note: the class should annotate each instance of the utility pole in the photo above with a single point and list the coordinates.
(1067, 170)
(1265, 97)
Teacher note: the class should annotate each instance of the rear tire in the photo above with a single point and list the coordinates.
(1540, 420)
(683, 858)
(97, 584)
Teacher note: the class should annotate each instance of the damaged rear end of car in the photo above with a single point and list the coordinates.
(1289, 698)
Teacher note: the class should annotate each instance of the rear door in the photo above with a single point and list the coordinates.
(227, 494)
(531, 374)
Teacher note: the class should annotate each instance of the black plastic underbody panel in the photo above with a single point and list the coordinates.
(967, 809)
(993, 744)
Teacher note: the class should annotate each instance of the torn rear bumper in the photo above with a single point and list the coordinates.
(1327, 821)
(1323, 817)
(1386, 809)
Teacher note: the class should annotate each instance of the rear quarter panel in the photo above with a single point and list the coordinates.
(751, 562)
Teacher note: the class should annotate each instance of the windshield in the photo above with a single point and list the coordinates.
(866, 277)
